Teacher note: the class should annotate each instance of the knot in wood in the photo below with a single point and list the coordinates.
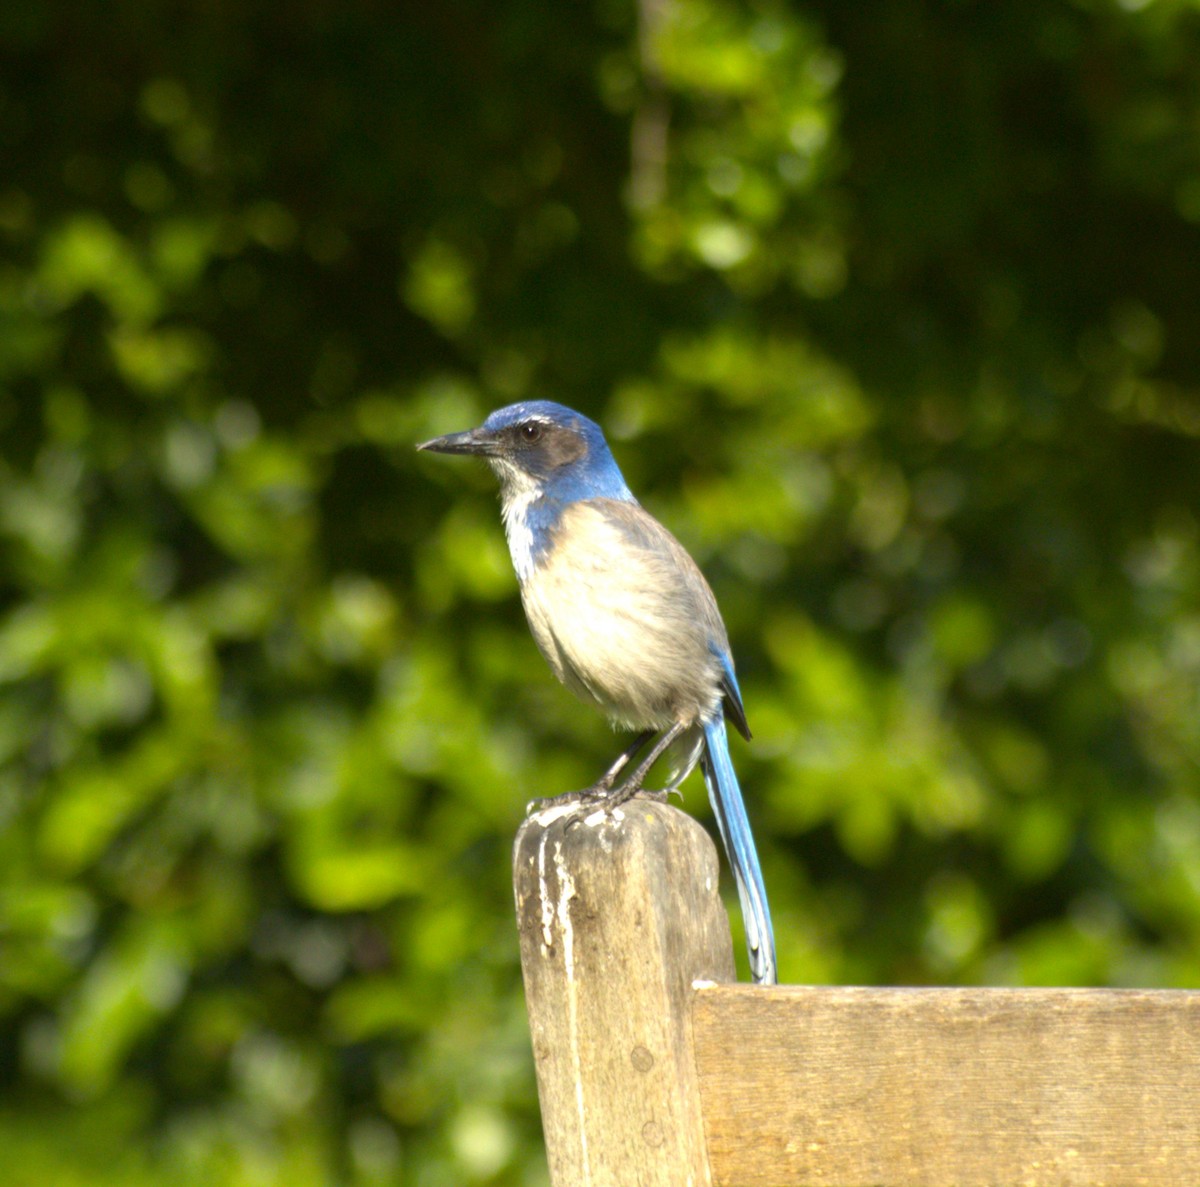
(652, 1134)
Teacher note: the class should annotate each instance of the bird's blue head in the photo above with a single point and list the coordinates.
(541, 450)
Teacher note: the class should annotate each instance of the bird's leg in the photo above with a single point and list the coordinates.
(602, 788)
(633, 784)
(603, 785)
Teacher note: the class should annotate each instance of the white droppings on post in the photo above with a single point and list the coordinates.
(562, 913)
(544, 901)
(545, 817)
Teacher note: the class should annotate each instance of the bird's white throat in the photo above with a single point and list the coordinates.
(518, 490)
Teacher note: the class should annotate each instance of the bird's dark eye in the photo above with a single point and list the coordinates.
(531, 432)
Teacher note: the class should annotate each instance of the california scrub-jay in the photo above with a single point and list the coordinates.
(623, 616)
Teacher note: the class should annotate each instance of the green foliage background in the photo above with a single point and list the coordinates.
(890, 312)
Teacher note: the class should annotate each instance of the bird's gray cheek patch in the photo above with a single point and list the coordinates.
(562, 447)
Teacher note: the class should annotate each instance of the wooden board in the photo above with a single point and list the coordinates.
(949, 1087)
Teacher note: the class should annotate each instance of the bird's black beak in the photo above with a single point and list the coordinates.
(475, 441)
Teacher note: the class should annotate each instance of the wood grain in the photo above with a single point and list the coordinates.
(949, 1087)
(618, 915)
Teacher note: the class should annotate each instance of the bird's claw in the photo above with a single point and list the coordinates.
(600, 795)
(582, 799)
(623, 794)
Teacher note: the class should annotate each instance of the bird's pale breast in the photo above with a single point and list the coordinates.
(624, 617)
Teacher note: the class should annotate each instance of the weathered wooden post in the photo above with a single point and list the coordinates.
(619, 914)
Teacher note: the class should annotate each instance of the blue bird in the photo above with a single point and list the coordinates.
(624, 617)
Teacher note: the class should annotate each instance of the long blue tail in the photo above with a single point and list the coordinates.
(726, 798)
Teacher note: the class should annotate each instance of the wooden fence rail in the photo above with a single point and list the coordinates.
(654, 1070)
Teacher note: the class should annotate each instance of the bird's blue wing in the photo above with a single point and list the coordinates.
(730, 811)
(734, 709)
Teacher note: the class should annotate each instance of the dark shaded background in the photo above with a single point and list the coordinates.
(889, 310)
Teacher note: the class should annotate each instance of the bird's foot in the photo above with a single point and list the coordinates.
(625, 793)
(600, 795)
(621, 796)
(585, 797)
(601, 792)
